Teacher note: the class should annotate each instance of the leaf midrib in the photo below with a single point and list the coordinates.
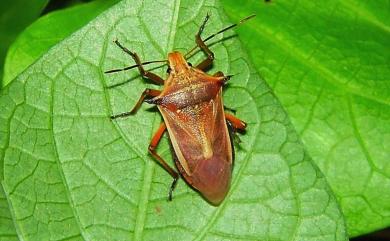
(120, 133)
(148, 174)
(61, 171)
(365, 14)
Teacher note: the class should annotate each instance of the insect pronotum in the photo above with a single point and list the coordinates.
(193, 113)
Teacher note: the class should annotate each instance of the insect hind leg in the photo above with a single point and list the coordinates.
(236, 123)
(152, 150)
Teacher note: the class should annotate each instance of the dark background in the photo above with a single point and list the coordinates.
(383, 235)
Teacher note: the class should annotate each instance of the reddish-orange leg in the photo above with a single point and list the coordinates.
(236, 123)
(152, 150)
(233, 122)
(148, 93)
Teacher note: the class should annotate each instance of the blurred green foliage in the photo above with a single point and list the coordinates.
(47, 31)
(15, 15)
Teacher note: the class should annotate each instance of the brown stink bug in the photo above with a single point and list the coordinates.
(193, 113)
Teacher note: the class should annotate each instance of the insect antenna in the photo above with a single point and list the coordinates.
(219, 32)
(134, 66)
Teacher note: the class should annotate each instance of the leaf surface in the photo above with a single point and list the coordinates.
(328, 62)
(7, 228)
(72, 174)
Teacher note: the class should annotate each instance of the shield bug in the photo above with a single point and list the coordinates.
(193, 113)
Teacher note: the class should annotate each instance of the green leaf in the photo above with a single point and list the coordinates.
(70, 173)
(47, 31)
(15, 16)
(7, 228)
(328, 62)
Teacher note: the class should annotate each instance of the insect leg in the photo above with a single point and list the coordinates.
(236, 123)
(155, 78)
(201, 44)
(225, 77)
(152, 150)
(148, 93)
(218, 74)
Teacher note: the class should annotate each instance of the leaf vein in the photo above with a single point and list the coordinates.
(331, 78)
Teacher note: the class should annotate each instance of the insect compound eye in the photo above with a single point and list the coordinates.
(189, 64)
(169, 70)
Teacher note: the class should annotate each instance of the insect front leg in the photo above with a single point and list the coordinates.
(152, 150)
(201, 44)
(155, 78)
(148, 93)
